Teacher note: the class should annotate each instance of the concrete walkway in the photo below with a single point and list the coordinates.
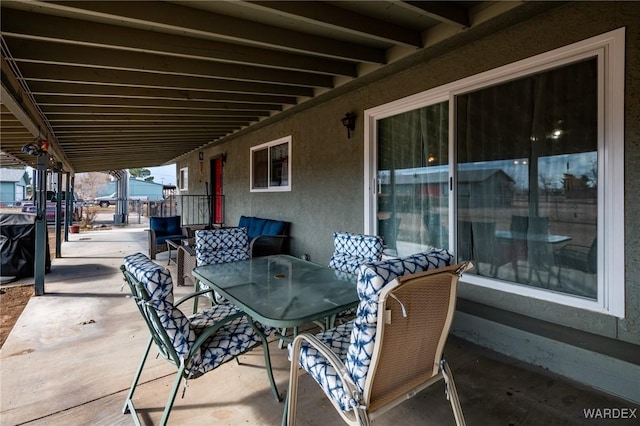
(72, 354)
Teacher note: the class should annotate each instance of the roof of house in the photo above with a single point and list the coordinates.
(13, 175)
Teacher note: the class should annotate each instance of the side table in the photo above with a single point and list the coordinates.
(186, 263)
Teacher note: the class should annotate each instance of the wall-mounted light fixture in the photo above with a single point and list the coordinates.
(349, 121)
(36, 149)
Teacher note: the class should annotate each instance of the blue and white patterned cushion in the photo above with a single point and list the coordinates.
(361, 332)
(208, 317)
(221, 246)
(338, 340)
(352, 250)
(230, 340)
(157, 282)
(139, 265)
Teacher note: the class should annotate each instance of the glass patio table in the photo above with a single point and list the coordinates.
(281, 290)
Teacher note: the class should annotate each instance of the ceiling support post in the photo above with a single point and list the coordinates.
(41, 224)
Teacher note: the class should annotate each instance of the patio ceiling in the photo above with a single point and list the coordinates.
(115, 85)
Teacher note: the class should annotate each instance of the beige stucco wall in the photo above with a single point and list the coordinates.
(328, 169)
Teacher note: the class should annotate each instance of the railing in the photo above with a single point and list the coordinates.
(193, 209)
(200, 209)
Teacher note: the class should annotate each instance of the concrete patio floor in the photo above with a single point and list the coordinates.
(72, 354)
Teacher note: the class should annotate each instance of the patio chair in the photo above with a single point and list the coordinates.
(577, 257)
(220, 246)
(196, 344)
(352, 250)
(162, 229)
(359, 365)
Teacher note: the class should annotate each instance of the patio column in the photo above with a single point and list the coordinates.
(40, 196)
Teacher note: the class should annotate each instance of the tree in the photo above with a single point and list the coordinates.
(87, 185)
(141, 173)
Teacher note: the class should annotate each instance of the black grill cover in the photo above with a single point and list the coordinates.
(18, 245)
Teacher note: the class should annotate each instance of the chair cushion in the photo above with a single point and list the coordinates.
(221, 245)
(208, 317)
(337, 339)
(348, 263)
(157, 282)
(371, 279)
(155, 278)
(352, 250)
(353, 341)
(230, 340)
(164, 226)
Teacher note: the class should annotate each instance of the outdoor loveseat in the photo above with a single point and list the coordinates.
(266, 237)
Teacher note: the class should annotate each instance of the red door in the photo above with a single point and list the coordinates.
(216, 184)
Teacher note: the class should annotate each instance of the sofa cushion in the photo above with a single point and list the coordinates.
(273, 227)
(244, 221)
(256, 225)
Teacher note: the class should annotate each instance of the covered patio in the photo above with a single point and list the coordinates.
(72, 354)
(216, 87)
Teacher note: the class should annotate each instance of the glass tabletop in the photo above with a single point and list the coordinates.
(282, 290)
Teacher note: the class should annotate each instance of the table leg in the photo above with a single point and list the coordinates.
(267, 359)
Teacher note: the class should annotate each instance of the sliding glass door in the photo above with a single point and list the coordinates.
(413, 179)
(518, 169)
(527, 179)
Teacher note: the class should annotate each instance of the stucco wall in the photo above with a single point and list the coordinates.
(328, 170)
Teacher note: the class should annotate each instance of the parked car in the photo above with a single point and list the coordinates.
(105, 200)
(51, 200)
(50, 211)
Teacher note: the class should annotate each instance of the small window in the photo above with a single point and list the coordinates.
(270, 166)
(184, 178)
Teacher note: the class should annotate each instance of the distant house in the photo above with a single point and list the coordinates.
(473, 184)
(138, 189)
(13, 186)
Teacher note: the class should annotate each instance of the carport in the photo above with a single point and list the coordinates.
(106, 86)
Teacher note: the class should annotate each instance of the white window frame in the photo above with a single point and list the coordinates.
(267, 146)
(609, 49)
(184, 179)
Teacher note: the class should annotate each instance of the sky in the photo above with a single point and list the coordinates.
(165, 175)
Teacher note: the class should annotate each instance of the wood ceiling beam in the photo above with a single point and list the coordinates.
(36, 26)
(52, 111)
(175, 18)
(63, 54)
(95, 90)
(340, 19)
(81, 101)
(80, 75)
(443, 11)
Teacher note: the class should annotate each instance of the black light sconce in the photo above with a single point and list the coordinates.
(36, 149)
(349, 121)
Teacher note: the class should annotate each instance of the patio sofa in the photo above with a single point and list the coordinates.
(266, 237)
(162, 229)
